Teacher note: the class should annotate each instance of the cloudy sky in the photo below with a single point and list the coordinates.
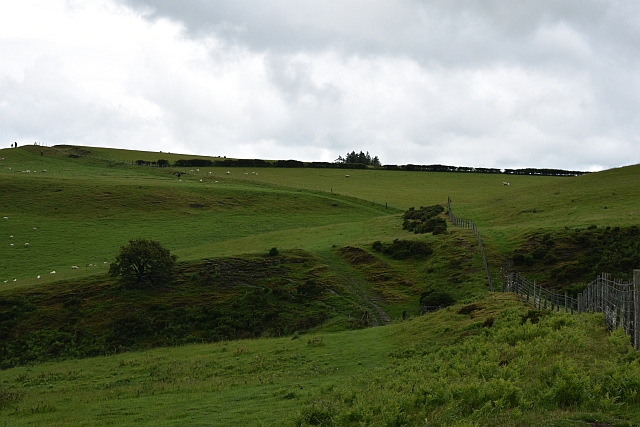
(488, 83)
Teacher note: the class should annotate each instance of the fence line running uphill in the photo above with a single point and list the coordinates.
(620, 302)
(467, 223)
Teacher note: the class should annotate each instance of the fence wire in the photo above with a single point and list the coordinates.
(618, 301)
(467, 223)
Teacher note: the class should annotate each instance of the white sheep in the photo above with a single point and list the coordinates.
(256, 173)
(105, 263)
(53, 272)
(253, 172)
(90, 265)
(209, 173)
(200, 180)
(74, 267)
(246, 174)
(38, 277)
(44, 170)
(6, 217)
(26, 245)
(15, 280)
(228, 173)
(11, 244)
(11, 237)
(215, 182)
(197, 170)
(505, 183)
(346, 176)
(34, 228)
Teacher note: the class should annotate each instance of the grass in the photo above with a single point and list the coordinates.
(441, 366)
(478, 363)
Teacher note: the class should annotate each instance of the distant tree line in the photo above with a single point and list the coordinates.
(446, 168)
(354, 160)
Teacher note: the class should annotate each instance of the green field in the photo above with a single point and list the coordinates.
(85, 352)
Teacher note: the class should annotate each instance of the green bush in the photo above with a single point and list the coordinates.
(143, 263)
(424, 220)
(436, 298)
(403, 249)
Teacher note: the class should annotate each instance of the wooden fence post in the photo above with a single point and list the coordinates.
(580, 303)
(566, 300)
(636, 312)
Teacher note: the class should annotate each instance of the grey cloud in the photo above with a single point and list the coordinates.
(574, 68)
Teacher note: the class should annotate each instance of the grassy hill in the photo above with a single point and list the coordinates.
(488, 360)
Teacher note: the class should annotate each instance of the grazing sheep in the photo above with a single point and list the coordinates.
(200, 180)
(34, 228)
(505, 183)
(197, 170)
(44, 170)
(11, 244)
(5, 281)
(228, 173)
(191, 171)
(53, 272)
(105, 263)
(26, 245)
(253, 172)
(180, 180)
(246, 174)
(15, 280)
(90, 265)
(346, 176)
(11, 237)
(74, 267)
(215, 182)
(256, 173)
(6, 217)
(38, 277)
(209, 173)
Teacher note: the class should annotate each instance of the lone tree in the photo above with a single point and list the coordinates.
(143, 263)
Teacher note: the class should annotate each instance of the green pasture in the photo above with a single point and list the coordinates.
(486, 364)
(487, 361)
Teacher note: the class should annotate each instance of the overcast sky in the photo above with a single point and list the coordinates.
(487, 83)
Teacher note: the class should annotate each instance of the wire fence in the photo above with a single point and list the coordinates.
(467, 223)
(617, 300)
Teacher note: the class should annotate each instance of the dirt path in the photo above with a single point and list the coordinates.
(377, 314)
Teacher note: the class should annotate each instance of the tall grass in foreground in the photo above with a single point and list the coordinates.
(490, 363)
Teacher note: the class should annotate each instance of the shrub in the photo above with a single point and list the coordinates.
(403, 249)
(143, 263)
(436, 298)
(425, 220)
(273, 251)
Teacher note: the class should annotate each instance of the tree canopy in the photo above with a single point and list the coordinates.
(362, 158)
(143, 263)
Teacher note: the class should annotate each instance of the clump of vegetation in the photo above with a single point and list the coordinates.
(568, 258)
(403, 249)
(500, 371)
(425, 220)
(435, 298)
(359, 158)
(273, 251)
(143, 263)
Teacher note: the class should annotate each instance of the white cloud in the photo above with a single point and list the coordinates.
(479, 83)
